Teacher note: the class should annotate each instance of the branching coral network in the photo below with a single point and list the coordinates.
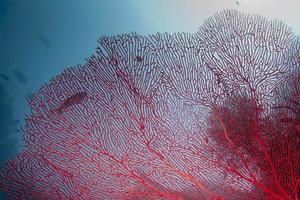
(209, 115)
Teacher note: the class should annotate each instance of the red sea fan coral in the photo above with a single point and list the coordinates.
(210, 115)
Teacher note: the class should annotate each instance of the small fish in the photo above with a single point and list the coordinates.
(237, 3)
(4, 77)
(20, 76)
(44, 41)
(14, 122)
(17, 130)
(139, 58)
(71, 101)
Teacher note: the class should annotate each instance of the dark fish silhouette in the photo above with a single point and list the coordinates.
(139, 58)
(72, 100)
(14, 122)
(44, 41)
(4, 77)
(20, 76)
(237, 3)
(17, 130)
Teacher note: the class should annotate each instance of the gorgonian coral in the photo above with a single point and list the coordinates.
(209, 115)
